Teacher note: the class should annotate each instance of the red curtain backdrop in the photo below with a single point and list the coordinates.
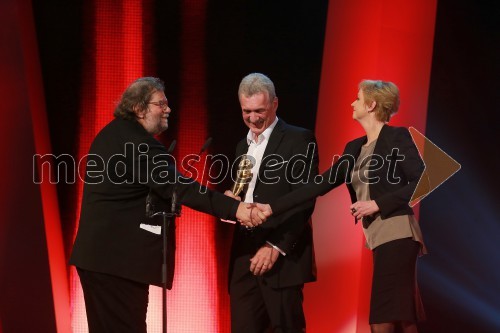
(32, 261)
(384, 39)
(114, 39)
(368, 39)
(118, 37)
(193, 301)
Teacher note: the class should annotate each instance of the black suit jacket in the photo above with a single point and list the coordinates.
(287, 146)
(124, 165)
(394, 176)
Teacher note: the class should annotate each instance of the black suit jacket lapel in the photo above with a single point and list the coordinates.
(241, 148)
(273, 144)
(381, 144)
(355, 147)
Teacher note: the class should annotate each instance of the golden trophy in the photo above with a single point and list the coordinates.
(243, 175)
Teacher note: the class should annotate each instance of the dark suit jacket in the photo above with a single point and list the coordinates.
(285, 147)
(392, 183)
(124, 164)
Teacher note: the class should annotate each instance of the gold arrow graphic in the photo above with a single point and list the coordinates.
(439, 166)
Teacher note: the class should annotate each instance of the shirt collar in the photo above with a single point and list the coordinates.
(264, 135)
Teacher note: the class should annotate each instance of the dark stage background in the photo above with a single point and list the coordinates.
(284, 39)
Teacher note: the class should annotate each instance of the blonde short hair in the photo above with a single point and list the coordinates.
(386, 96)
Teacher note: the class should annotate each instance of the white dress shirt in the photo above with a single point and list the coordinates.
(256, 148)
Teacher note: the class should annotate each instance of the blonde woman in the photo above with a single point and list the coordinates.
(381, 171)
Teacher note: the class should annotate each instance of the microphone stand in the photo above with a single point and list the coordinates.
(169, 219)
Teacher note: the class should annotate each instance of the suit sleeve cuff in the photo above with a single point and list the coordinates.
(276, 248)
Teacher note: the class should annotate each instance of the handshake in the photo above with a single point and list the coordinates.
(251, 214)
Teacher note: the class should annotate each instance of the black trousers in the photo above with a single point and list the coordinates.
(114, 304)
(256, 307)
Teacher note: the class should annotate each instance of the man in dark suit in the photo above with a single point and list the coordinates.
(270, 264)
(118, 250)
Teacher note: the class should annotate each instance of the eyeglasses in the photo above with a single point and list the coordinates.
(161, 104)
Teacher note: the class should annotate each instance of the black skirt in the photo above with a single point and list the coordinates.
(395, 294)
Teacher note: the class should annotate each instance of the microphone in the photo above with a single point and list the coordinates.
(149, 206)
(207, 143)
(171, 147)
(175, 208)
